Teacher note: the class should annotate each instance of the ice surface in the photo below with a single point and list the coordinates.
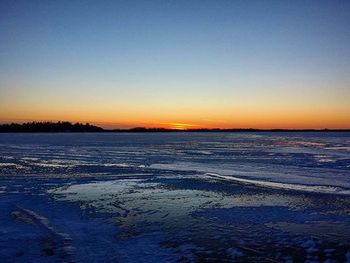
(175, 197)
(320, 160)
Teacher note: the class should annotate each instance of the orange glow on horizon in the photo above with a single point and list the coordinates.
(179, 126)
(304, 122)
(187, 117)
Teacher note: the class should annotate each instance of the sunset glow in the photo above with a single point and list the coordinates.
(177, 65)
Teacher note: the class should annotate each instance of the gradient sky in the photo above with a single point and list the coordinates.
(261, 64)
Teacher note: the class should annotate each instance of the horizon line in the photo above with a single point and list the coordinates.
(175, 125)
(153, 129)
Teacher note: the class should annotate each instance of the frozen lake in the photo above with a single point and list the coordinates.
(175, 197)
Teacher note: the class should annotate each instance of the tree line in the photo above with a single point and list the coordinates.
(61, 126)
(65, 126)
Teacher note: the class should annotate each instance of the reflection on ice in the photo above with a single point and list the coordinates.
(316, 180)
(233, 219)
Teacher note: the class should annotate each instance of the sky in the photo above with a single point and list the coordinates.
(176, 64)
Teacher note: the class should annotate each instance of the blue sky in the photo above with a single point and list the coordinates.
(154, 62)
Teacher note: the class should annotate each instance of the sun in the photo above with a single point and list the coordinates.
(180, 126)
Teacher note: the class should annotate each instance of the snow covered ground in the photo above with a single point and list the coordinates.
(175, 197)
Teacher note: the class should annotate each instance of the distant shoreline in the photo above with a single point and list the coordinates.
(67, 127)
